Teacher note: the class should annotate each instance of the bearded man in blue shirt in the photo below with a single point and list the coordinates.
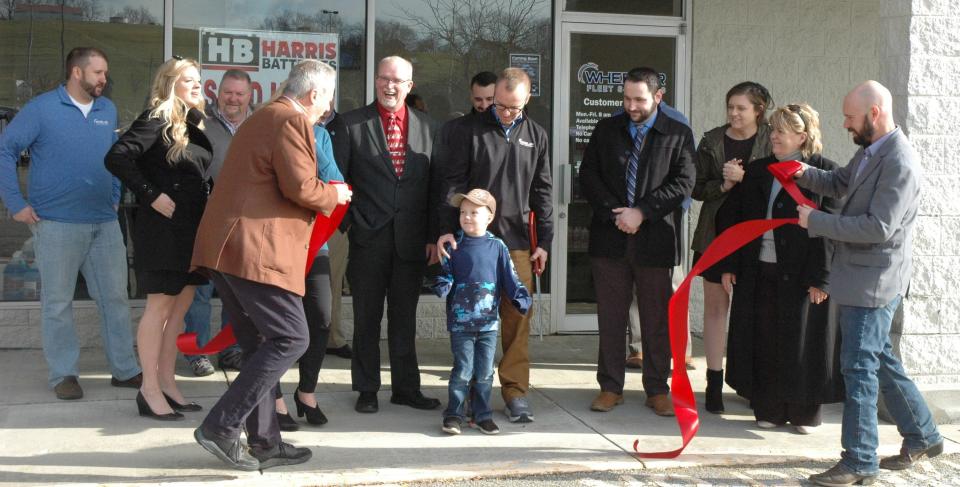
(71, 208)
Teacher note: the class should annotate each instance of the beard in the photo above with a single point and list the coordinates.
(864, 137)
(92, 89)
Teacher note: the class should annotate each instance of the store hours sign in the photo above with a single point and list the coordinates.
(266, 56)
(597, 94)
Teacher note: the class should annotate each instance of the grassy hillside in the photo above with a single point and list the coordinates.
(134, 51)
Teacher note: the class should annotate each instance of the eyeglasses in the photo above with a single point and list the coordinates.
(507, 110)
(389, 81)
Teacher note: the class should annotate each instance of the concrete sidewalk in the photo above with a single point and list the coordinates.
(101, 439)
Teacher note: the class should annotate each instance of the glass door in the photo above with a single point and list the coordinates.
(595, 60)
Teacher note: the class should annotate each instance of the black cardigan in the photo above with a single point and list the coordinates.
(797, 253)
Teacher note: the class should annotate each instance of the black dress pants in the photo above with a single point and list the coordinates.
(317, 303)
(377, 272)
(272, 332)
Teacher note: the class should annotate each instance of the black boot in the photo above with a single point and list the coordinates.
(714, 402)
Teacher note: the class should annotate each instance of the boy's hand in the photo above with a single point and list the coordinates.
(443, 241)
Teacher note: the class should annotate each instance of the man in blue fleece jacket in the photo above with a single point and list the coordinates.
(71, 208)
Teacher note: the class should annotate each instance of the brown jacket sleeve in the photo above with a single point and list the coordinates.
(295, 162)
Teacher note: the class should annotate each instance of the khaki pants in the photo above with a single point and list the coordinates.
(514, 369)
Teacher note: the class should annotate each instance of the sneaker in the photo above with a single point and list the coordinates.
(283, 454)
(201, 366)
(451, 425)
(766, 424)
(68, 388)
(518, 410)
(487, 427)
(804, 430)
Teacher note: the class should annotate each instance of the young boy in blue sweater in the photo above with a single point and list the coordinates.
(475, 277)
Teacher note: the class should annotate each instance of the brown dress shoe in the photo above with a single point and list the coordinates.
(635, 361)
(68, 388)
(606, 401)
(660, 403)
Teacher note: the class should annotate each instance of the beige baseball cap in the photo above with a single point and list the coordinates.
(477, 196)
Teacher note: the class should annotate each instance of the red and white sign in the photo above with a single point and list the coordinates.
(266, 56)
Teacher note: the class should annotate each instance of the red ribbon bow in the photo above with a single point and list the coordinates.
(323, 228)
(728, 242)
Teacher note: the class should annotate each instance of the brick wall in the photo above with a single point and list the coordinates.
(920, 63)
(20, 322)
(801, 50)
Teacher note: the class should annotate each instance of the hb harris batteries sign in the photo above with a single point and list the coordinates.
(265, 55)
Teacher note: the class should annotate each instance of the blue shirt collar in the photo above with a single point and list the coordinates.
(634, 126)
(65, 98)
(507, 129)
(874, 147)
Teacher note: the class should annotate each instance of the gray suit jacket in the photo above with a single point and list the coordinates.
(873, 233)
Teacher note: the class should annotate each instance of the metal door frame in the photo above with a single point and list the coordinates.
(595, 24)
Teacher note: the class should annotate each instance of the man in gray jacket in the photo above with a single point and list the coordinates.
(870, 273)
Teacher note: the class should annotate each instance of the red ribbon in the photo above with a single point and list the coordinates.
(784, 171)
(323, 228)
(728, 242)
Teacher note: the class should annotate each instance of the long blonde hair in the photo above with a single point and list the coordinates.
(165, 105)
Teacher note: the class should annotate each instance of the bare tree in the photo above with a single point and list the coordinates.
(91, 11)
(136, 15)
(480, 32)
(288, 20)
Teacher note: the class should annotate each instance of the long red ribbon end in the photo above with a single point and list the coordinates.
(323, 228)
(728, 242)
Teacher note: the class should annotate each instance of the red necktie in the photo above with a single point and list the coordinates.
(398, 153)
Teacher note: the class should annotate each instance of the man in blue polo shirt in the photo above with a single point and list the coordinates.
(71, 208)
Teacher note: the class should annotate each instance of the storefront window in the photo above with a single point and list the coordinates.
(35, 37)
(450, 41)
(670, 8)
(238, 35)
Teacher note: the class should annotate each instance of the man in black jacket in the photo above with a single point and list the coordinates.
(383, 150)
(503, 151)
(636, 172)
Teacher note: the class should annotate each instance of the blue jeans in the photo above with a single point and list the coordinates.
(197, 318)
(472, 359)
(96, 250)
(869, 366)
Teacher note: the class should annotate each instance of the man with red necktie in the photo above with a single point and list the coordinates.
(384, 152)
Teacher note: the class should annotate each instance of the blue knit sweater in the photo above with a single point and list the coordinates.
(67, 181)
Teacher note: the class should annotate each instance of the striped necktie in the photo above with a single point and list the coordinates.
(398, 153)
(633, 164)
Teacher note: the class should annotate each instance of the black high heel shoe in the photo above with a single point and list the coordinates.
(145, 410)
(314, 414)
(189, 407)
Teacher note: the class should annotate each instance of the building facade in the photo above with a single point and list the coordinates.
(577, 52)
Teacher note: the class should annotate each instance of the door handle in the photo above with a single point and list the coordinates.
(566, 184)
